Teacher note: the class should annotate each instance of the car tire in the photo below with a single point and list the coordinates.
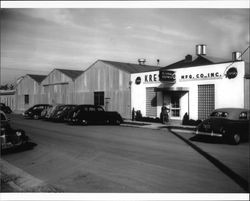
(36, 117)
(235, 138)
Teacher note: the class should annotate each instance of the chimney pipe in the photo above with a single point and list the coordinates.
(141, 61)
(236, 56)
(201, 49)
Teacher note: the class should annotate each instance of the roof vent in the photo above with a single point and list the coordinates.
(236, 56)
(201, 49)
(188, 58)
(141, 61)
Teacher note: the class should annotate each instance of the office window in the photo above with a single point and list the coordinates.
(26, 99)
(151, 102)
(99, 98)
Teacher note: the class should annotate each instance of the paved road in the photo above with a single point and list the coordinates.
(116, 159)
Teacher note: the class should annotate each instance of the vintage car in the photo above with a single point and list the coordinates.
(11, 138)
(93, 114)
(61, 114)
(52, 111)
(45, 111)
(231, 124)
(35, 111)
(6, 109)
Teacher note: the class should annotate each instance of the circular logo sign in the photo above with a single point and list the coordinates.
(232, 73)
(138, 80)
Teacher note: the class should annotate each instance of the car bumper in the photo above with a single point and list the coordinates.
(208, 134)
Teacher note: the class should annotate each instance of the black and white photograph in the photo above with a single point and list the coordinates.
(144, 99)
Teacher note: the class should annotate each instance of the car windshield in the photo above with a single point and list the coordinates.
(219, 114)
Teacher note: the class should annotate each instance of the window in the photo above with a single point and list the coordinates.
(151, 102)
(206, 100)
(99, 98)
(91, 109)
(175, 105)
(26, 99)
(99, 109)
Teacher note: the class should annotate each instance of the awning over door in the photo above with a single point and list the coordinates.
(184, 89)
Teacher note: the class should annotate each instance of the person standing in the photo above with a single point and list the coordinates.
(164, 113)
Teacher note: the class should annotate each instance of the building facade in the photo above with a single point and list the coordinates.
(59, 87)
(8, 97)
(195, 87)
(28, 91)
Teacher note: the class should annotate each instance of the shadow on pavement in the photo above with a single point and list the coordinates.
(207, 139)
(24, 147)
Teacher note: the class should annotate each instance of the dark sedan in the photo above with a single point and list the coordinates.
(92, 114)
(228, 123)
(35, 111)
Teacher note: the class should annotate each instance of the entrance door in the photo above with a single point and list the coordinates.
(175, 109)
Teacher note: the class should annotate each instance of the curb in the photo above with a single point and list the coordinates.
(157, 127)
(20, 181)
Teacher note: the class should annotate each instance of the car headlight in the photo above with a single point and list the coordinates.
(18, 133)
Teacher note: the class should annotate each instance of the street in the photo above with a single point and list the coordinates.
(115, 159)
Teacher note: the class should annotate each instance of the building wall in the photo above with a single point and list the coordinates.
(103, 77)
(247, 87)
(57, 88)
(228, 92)
(9, 100)
(27, 86)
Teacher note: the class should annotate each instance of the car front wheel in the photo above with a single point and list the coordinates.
(235, 138)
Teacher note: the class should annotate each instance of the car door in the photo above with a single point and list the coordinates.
(100, 114)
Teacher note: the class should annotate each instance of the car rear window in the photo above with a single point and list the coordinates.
(92, 109)
(219, 114)
(99, 109)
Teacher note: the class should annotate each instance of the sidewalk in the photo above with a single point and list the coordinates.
(13, 179)
(152, 125)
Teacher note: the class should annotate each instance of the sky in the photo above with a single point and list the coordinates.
(38, 40)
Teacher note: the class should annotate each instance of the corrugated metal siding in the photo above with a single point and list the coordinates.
(114, 83)
(58, 88)
(151, 102)
(27, 87)
(8, 100)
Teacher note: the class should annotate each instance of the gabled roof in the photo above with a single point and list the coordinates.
(132, 68)
(198, 61)
(73, 74)
(37, 78)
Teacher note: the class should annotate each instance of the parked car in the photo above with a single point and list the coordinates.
(44, 112)
(92, 114)
(11, 138)
(6, 109)
(61, 114)
(231, 124)
(51, 111)
(35, 111)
